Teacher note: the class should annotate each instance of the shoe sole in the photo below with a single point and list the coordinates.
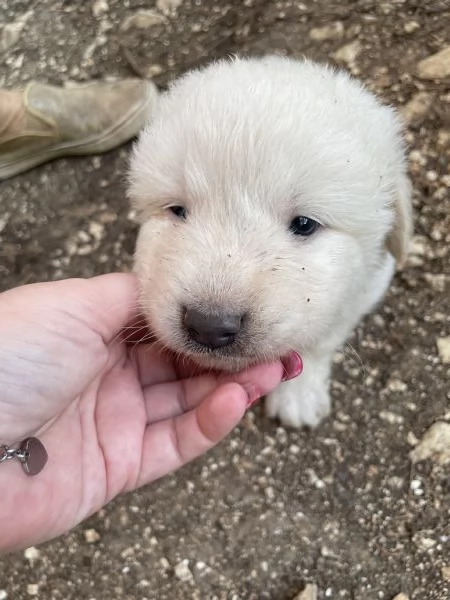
(111, 139)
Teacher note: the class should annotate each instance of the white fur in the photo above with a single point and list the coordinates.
(245, 146)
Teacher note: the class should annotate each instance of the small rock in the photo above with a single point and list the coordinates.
(10, 33)
(182, 571)
(390, 417)
(3, 594)
(97, 230)
(155, 70)
(423, 541)
(270, 493)
(99, 7)
(142, 19)
(309, 593)
(166, 6)
(327, 32)
(397, 385)
(91, 536)
(411, 26)
(445, 572)
(348, 53)
(419, 245)
(32, 553)
(435, 444)
(401, 596)
(412, 439)
(32, 589)
(443, 346)
(417, 107)
(436, 66)
(165, 564)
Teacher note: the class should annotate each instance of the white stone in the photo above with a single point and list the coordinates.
(142, 19)
(32, 553)
(327, 32)
(443, 346)
(309, 593)
(10, 33)
(166, 6)
(99, 7)
(32, 589)
(411, 26)
(418, 106)
(91, 536)
(348, 53)
(435, 445)
(182, 571)
(436, 66)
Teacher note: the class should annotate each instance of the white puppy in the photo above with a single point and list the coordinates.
(274, 202)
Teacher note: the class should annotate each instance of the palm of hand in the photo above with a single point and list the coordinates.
(110, 419)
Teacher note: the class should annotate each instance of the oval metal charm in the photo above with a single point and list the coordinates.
(34, 456)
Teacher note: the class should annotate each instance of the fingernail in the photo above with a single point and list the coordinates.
(293, 365)
(253, 394)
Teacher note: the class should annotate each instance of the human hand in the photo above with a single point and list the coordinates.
(112, 418)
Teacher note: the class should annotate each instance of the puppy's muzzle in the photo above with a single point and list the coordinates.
(211, 330)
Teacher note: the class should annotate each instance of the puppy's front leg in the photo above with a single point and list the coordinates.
(306, 399)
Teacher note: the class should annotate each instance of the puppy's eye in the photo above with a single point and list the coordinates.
(303, 226)
(178, 211)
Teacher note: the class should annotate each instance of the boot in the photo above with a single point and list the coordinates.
(44, 122)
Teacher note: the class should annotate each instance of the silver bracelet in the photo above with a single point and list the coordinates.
(31, 454)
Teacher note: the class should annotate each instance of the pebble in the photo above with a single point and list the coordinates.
(3, 594)
(10, 34)
(32, 553)
(423, 541)
(443, 346)
(348, 53)
(182, 571)
(435, 444)
(309, 593)
(99, 7)
(417, 107)
(91, 536)
(445, 573)
(32, 589)
(390, 417)
(436, 66)
(327, 32)
(167, 6)
(401, 596)
(397, 385)
(142, 19)
(411, 26)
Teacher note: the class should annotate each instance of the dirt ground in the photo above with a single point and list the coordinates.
(269, 510)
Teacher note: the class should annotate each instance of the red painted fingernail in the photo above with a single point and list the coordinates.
(293, 365)
(253, 394)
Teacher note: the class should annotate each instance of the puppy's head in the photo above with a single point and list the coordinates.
(267, 193)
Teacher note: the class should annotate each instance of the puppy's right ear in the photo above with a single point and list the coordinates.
(400, 236)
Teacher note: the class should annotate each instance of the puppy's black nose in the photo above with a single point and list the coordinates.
(211, 330)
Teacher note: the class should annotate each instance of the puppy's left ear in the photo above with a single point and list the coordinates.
(400, 236)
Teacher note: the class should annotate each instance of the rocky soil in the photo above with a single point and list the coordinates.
(358, 509)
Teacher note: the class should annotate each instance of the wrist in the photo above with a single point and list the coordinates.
(22, 507)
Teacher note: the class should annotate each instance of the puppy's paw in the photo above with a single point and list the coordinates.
(296, 405)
